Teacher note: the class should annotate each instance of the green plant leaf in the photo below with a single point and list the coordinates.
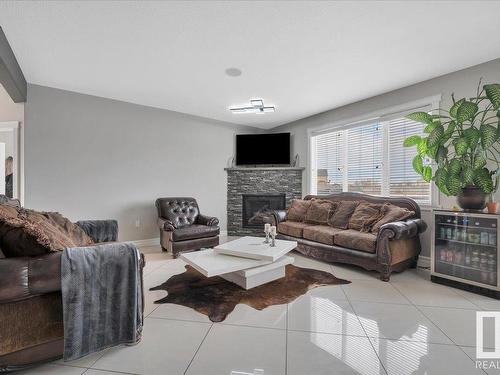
(454, 167)
(466, 111)
(441, 175)
(427, 174)
(412, 141)
(483, 180)
(441, 155)
(422, 117)
(454, 185)
(435, 136)
(454, 108)
(432, 151)
(440, 179)
(422, 147)
(473, 136)
(467, 174)
(429, 128)
(418, 164)
(461, 146)
(493, 94)
(479, 162)
(449, 130)
(488, 135)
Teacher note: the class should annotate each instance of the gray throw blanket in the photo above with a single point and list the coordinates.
(100, 230)
(102, 297)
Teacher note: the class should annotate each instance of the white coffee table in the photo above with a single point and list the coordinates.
(243, 271)
(255, 248)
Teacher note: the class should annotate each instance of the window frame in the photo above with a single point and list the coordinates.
(384, 115)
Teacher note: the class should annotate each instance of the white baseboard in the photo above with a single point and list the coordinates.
(147, 242)
(424, 262)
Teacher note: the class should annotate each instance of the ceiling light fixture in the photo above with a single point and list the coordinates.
(257, 106)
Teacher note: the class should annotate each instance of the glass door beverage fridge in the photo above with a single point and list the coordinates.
(464, 251)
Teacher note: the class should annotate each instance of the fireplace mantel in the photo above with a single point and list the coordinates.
(264, 169)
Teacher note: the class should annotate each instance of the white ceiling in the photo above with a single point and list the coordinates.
(303, 57)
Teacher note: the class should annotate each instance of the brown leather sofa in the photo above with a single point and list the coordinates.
(183, 228)
(31, 317)
(395, 247)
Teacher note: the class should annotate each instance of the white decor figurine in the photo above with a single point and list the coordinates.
(267, 230)
(273, 236)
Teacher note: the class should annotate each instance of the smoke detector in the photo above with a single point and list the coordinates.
(256, 106)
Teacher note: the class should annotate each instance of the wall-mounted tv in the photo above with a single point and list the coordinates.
(263, 149)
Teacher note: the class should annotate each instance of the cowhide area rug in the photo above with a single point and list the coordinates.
(216, 297)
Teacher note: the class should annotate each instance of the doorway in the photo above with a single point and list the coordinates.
(11, 163)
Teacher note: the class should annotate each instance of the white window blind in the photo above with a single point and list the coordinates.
(330, 162)
(364, 159)
(370, 159)
(403, 180)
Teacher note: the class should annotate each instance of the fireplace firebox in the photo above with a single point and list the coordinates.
(257, 206)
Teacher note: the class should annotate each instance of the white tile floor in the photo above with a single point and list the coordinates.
(406, 326)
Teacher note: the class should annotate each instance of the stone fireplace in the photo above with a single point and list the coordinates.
(254, 192)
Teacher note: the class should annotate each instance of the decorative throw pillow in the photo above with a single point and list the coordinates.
(340, 218)
(364, 216)
(298, 210)
(320, 211)
(30, 233)
(392, 213)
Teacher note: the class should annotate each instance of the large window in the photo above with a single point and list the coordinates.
(369, 158)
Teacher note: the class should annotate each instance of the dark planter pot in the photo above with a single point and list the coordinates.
(472, 198)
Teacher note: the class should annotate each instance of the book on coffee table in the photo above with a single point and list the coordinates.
(255, 248)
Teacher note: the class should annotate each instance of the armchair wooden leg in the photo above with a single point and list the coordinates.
(175, 254)
(385, 273)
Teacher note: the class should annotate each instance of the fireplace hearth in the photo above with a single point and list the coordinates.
(257, 206)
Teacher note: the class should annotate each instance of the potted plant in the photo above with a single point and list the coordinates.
(462, 147)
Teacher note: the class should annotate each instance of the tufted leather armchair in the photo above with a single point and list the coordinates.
(183, 228)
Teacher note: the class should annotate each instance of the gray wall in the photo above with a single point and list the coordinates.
(463, 83)
(94, 158)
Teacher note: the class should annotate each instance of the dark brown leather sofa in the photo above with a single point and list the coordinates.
(31, 317)
(183, 228)
(395, 247)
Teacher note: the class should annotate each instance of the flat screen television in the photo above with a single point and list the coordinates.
(263, 149)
